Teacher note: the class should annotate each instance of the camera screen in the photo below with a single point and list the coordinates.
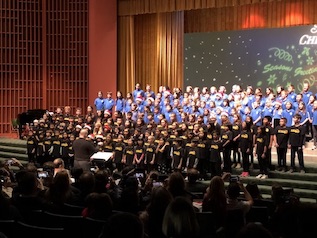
(42, 174)
(157, 184)
(139, 175)
(234, 178)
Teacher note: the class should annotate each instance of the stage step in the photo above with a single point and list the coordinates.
(266, 189)
(12, 142)
(19, 156)
(14, 149)
(291, 183)
(303, 200)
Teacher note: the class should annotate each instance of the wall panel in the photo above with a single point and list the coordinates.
(44, 56)
(67, 53)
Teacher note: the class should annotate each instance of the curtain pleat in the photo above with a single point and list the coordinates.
(136, 7)
(126, 49)
(151, 50)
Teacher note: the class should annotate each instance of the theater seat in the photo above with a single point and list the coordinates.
(25, 230)
(73, 210)
(72, 224)
(7, 227)
(234, 222)
(92, 228)
(258, 214)
(207, 225)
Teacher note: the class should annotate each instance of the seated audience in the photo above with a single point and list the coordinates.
(98, 206)
(180, 220)
(152, 217)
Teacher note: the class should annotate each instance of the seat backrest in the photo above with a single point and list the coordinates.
(37, 231)
(234, 221)
(207, 224)
(92, 227)
(265, 203)
(258, 214)
(7, 227)
(73, 210)
(71, 224)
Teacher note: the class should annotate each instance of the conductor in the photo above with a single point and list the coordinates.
(83, 150)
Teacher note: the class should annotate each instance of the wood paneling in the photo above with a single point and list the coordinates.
(21, 61)
(44, 56)
(67, 53)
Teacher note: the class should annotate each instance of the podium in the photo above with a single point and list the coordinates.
(102, 160)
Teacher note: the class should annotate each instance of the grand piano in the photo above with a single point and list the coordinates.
(28, 117)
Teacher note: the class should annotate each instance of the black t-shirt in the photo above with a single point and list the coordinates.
(139, 151)
(245, 142)
(162, 154)
(202, 149)
(261, 142)
(149, 153)
(65, 147)
(269, 131)
(178, 154)
(129, 153)
(296, 135)
(108, 146)
(236, 129)
(56, 143)
(227, 136)
(31, 144)
(118, 152)
(47, 143)
(40, 148)
(282, 135)
(192, 159)
(215, 149)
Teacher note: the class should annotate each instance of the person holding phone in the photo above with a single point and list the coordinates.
(233, 193)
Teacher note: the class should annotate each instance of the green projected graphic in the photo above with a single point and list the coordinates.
(263, 58)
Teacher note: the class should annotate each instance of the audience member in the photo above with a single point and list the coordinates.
(215, 200)
(180, 220)
(123, 224)
(98, 206)
(233, 193)
(254, 190)
(252, 230)
(177, 187)
(152, 217)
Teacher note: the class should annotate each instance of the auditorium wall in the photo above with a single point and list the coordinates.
(55, 53)
(140, 35)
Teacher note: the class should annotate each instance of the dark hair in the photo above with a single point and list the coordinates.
(254, 191)
(99, 206)
(123, 224)
(180, 219)
(176, 184)
(252, 230)
(233, 190)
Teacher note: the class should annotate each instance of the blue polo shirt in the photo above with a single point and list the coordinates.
(99, 103)
(306, 96)
(108, 104)
(313, 115)
(288, 114)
